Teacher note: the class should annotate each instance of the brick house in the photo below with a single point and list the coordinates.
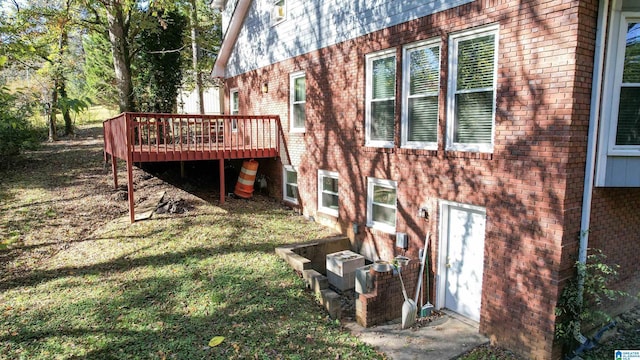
(506, 129)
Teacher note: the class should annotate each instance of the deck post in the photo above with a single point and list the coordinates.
(132, 215)
(129, 146)
(222, 190)
(114, 169)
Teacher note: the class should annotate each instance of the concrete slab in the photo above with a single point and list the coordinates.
(445, 338)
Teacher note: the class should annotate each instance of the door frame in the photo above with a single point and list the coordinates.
(443, 237)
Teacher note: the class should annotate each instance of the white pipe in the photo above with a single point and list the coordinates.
(592, 144)
(230, 38)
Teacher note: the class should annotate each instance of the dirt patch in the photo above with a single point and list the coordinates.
(70, 194)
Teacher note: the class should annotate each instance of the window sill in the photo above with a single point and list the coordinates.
(385, 229)
(624, 152)
(385, 150)
(456, 154)
(419, 152)
(328, 213)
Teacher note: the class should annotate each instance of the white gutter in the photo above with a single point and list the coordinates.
(230, 38)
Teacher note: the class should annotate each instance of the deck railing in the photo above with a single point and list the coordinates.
(168, 137)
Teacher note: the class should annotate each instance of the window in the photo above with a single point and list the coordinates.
(290, 182)
(381, 204)
(328, 192)
(278, 12)
(298, 101)
(472, 90)
(380, 99)
(625, 79)
(234, 108)
(420, 88)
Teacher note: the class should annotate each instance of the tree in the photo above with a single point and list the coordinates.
(99, 75)
(38, 35)
(158, 64)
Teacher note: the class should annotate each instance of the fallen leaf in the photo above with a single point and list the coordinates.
(216, 340)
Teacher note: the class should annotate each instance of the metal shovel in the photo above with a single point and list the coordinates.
(409, 308)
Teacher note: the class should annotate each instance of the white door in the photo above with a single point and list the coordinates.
(463, 239)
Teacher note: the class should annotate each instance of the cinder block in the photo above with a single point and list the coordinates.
(341, 267)
(315, 281)
(331, 301)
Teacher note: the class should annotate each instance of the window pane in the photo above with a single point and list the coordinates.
(631, 72)
(474, 117)
(292, 177)
(629, 117)
(475, 63)
(299, 93)
(382, 120)
(384, 195)
(330, 184)
(292, 191)
(234, 103)
(384, 78)
(423, 119)
(384, 214)
(298, 115)
(424, 69)
(330, 201)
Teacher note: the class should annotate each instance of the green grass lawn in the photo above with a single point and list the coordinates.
(77, 281)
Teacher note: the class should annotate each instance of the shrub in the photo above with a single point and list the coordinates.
(575, 311)
(16, 132)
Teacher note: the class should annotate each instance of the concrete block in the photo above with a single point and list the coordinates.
(341, 267)
(298, 262)
(315, 281)
(364, 282)
(331, 301)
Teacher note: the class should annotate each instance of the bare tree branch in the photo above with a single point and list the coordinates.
(167, 51)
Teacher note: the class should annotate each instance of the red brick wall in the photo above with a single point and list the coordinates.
(384, 302)
(530, 185)
(615, 228)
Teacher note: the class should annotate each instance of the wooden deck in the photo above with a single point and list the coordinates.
(148, 137)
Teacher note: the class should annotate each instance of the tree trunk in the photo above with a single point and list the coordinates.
(68, 123)
(61, 84)
(118, 31)
(194, 49)
(51, 122)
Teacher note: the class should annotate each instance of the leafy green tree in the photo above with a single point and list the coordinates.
(37, 36)
(158, 64)
(16, 133)
(99, 75)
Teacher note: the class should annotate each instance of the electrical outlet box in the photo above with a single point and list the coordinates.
(402, 240)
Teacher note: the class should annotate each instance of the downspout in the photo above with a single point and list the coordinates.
(592, 143)
(230, 38)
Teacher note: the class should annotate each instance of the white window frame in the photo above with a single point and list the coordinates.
(288, 168)
(390, 184)
(616, 47)
(454, 39)
(369, 93)
(277, 13)
(232, 109)
(406, 78)
(292, 78)
(321, 208)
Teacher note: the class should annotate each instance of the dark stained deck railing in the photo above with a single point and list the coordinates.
(150, 137)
